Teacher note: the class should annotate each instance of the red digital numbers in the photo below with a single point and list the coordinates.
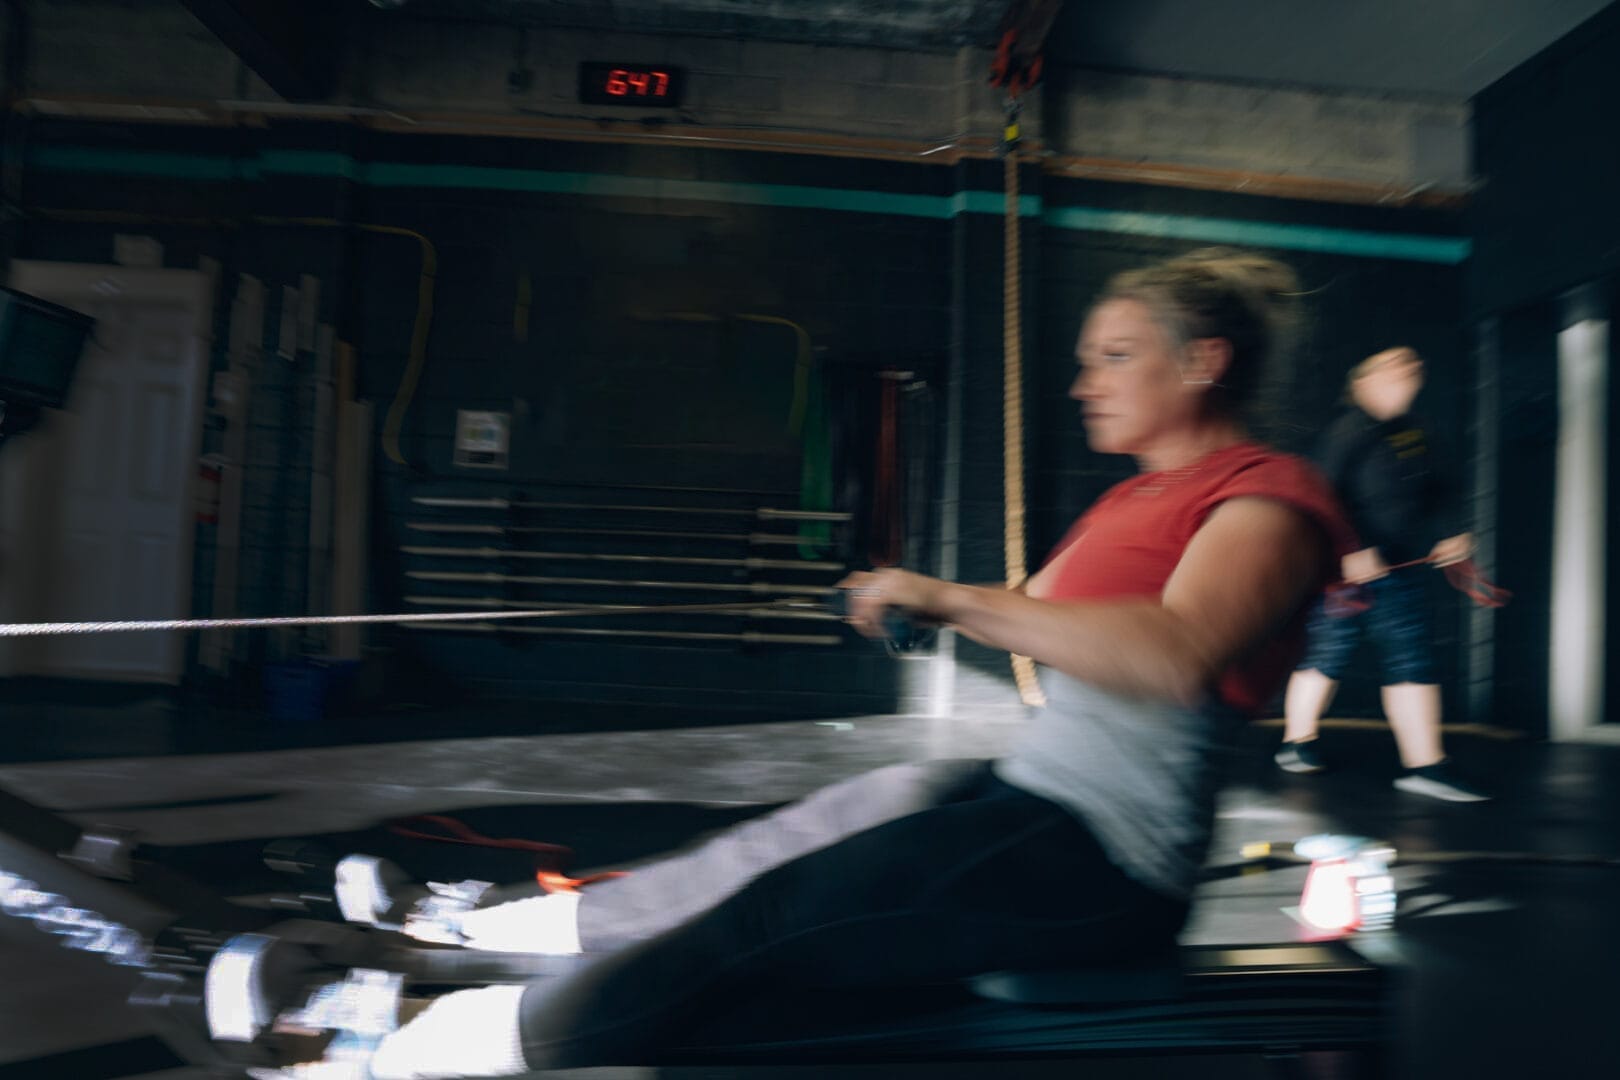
(623, 82)
(639, 85)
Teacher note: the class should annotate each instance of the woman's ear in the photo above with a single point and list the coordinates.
(1207, 361)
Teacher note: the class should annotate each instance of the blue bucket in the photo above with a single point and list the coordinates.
(301, 691)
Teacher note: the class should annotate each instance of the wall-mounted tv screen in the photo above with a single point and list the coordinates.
(40, 346)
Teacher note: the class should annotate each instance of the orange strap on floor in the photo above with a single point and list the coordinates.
(553, 882)
(455, 832)
(451, 831)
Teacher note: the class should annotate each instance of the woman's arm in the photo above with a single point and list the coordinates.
(1360, 567)
(1453, 549)
(1250, 567)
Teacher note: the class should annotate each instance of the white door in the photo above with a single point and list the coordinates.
(97, 501)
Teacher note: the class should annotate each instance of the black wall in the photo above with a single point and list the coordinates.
(613, 379)
(1546, 225)
(1527, 463)
(1547, 154)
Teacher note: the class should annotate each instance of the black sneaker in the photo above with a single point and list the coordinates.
(1437, 781)
(1300, 757)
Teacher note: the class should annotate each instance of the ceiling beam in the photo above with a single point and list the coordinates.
(293, 45)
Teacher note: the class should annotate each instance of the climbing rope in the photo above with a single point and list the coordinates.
(1029, 689)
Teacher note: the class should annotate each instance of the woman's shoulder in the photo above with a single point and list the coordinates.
(1256, 462)
(1265, 472)
(1261, 470)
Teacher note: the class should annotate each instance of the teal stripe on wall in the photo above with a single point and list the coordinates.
(387, 174)
(331, 164)
(994, 202)
(317, 163)
(146, 163)
(1439, 249)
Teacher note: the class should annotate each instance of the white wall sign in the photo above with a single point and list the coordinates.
(482, 439)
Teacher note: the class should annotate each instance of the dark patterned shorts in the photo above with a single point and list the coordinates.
(1397, 620)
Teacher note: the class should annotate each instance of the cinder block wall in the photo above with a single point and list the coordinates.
(1415, 144)
(882, 256)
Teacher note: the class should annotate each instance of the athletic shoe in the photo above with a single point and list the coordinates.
(375, 892)
(315, 1070)
(1300, 757)
(1437, 781)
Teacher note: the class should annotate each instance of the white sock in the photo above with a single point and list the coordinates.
(467, 1033)
(540, 924)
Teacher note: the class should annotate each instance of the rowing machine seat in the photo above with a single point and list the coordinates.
(1290, 999)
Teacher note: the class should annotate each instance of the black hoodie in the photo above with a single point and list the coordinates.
(1384, 473)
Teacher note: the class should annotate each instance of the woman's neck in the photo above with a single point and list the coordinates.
(1188, 447)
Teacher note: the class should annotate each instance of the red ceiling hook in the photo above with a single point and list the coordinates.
(1014, 69)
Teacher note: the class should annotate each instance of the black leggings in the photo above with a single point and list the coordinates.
(908, 874)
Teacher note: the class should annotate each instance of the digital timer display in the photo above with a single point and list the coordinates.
(655, 85)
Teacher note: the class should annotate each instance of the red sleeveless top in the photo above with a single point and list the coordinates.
(1131, 539)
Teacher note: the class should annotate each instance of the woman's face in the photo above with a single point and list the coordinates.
(1131, 387)
(1388, 389)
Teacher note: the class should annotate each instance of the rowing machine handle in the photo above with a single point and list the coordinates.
(900, 632)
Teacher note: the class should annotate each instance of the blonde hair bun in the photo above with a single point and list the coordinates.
(1244, 297)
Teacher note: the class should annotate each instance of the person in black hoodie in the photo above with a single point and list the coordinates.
(1378, 459)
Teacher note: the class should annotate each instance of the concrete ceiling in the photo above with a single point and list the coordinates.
(897, 24)
(1446, 48)
(1443, 48)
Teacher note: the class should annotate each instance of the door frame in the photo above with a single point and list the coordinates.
(75, 285)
